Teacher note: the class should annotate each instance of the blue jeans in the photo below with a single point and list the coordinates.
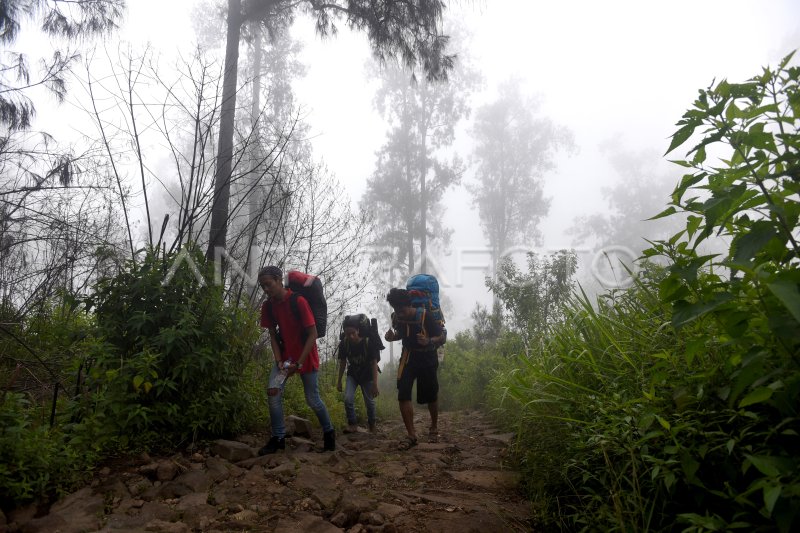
(313, 400)
(350, 397)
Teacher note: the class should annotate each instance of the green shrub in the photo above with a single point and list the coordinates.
(35, 461)
(466, 371)
(177, 358)
(678, 398)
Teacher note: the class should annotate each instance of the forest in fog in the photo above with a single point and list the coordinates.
(611, 211)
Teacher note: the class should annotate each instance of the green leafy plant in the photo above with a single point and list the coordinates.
(37, 462)
(178, 353)
(534, 298)
(750, 296)
(678, 398)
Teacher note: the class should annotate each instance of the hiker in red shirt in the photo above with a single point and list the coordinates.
(293, 335)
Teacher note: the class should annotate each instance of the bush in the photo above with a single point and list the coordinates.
(37, 462)
(466, 371)
(177, 358)
(679, 397)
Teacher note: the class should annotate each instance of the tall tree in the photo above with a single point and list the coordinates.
(514, 150)
(642, 187)
(56, 213)
(414, 169)
(405, 28)
(72, 19)
(534, 299)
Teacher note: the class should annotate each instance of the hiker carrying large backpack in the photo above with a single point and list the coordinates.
(293, 335)
(359, 352)
(420, 333)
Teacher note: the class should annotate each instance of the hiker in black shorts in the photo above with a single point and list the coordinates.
(420, 334)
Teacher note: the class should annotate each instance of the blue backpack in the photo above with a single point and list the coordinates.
(424, 292)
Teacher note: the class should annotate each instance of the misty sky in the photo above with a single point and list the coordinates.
(615, 73)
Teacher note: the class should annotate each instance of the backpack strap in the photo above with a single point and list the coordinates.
(419, 318)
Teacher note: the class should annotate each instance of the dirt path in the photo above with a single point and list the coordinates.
(455, 484)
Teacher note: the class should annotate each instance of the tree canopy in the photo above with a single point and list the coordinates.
(73, 19)
(407, 30)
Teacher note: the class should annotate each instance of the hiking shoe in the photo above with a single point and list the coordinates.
(274, 444)
(407, 443)
(329, 441)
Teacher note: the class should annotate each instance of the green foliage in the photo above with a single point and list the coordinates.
(678, 398)
(487, 325)
(754, 312)
(466, 371)
(534, 299)
(40, 352)
(177, 354)
(36, 461)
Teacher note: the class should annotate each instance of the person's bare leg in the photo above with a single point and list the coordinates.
(433, 409)
(407, 412)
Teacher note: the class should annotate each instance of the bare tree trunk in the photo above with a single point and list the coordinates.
(423, 215)
(255, 201)
(423, 193)
(222, 175)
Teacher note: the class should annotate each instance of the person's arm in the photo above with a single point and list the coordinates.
(374, 390)
(391, 333)
(273, 341)
(269, 325)
(435, 334)
(311, 340)
(342, 366)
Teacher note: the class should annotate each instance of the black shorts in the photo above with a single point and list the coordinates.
(427, 384)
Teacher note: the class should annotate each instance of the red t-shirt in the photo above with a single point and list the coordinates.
(291, 330)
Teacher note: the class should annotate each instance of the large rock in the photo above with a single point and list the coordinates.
(299, 426)
(310, 478)
(218, 469)
(350, 509)
(169, 490)
(283, 472)
(197, 480)
(80, 511)
(390, 510)
(191, 501)
(197, 513)
(167, 527)
(115, 487)
(167, 470)
(474, 522)
(138, 485)
(326, 498)
(301, 445)
(488, 479)
(231, 450)
(305, 523)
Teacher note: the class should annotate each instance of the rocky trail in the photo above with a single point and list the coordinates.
(453, 483)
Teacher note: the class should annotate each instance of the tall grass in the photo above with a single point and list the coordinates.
(622, 425)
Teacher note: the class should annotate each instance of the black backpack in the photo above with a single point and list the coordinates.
(367, 329)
